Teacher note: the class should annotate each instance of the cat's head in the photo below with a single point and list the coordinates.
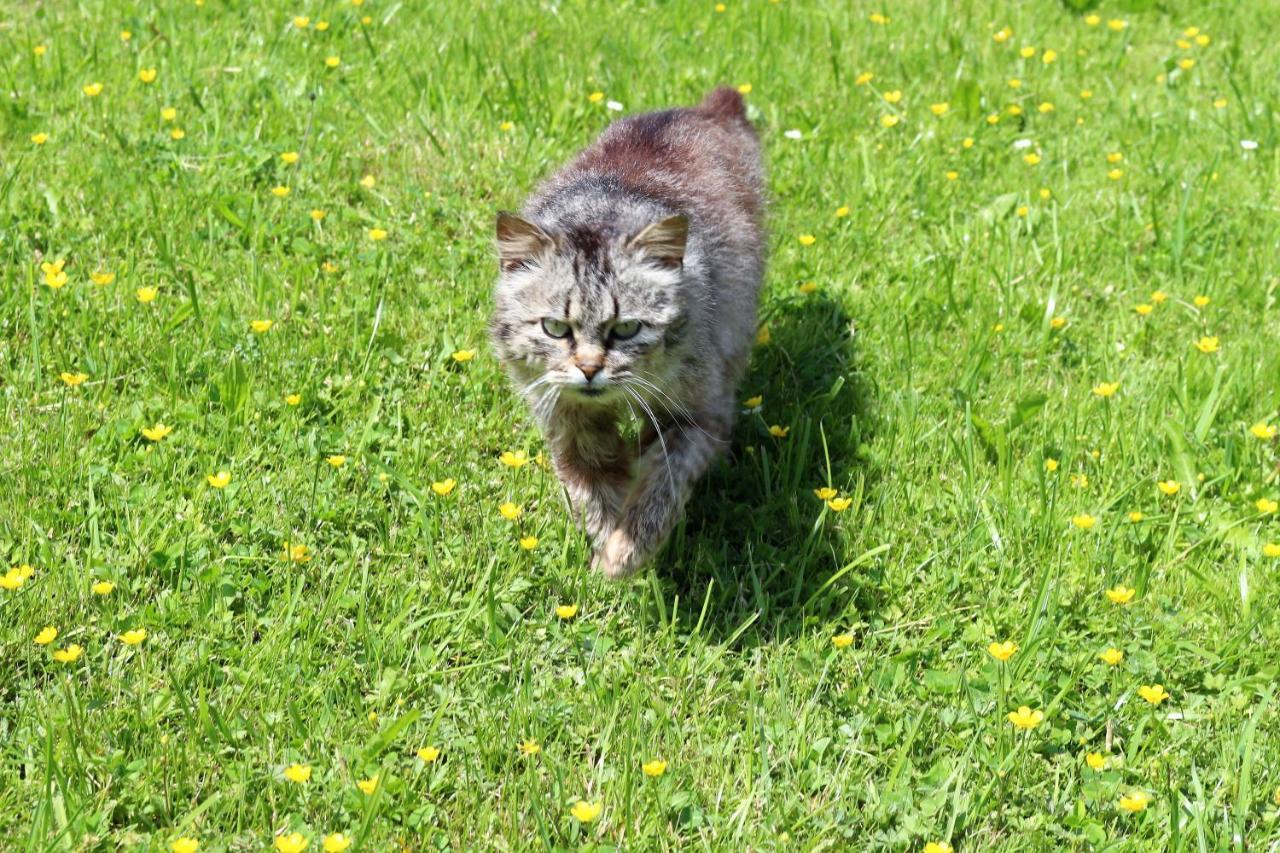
(590, 310)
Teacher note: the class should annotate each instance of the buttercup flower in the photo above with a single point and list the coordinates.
(337, 460)
(654, 768)
(294, 842)
(184, 845)
(1135, 801)
(1095, 760)
(293, 399)
(428, 753)
(1264, 430)
(337, 842)
(1144, 309)
(567, 611)
(332, 61)
(586, 812)
(1153, 693)
(1026, 719)
(102, 588)
(1106, 389)
(842, 641)
(514, 458)
(825, 493)
(368, 786)
(219, 480)
(1002, 651)
(1051, 465)
(297, 553)
(510, 511)
(39, 138)
(280, 191)
(133, 636)
(1208, 344)
(298, 773)
(530, 747)
(1121, 594)
(147, 75)
(753, 402)
(46, 636)
(377, 234)
(779, 431)
(289, 157)
(93, 90)
(261, 326)
(1266, 506)
(168, 113)
(71, 380)
(1111, 656)
(102, 278)
(317, 214)
(842, 211)
(1135, 516)
(146, 295)
(444, 487)
(464, 355)
(938, 847)
(70, 654)
(528, 543)
(1271, 549)
(1168, 487)
(807, 239)
(157, 432)
(1084, 521)
(177, 133)
(839, 504)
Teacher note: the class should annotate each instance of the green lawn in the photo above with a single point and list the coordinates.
(940, 352)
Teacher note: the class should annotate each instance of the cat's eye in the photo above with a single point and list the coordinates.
(623, 331)
(556, 328)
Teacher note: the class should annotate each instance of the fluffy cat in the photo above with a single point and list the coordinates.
(628, 286)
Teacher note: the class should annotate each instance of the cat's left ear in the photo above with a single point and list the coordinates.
(520, 242)
(663, 241)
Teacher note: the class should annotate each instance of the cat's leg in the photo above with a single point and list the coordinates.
(594, 464)
(667, 472)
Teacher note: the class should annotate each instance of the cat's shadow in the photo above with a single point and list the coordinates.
(755, 559)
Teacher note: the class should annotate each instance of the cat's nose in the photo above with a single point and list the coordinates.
(590, 369)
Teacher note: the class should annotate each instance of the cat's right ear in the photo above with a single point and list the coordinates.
(520, 242)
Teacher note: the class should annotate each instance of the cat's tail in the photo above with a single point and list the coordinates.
(724, 104)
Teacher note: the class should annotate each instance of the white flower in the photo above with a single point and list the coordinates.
(613, 105)
(791, 134)
(1019, 144)
(1248, 145)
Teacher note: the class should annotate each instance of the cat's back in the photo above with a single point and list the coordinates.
(703, 160)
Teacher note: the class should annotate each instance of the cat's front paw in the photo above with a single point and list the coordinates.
(619, 558)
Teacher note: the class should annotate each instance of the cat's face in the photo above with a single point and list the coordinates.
(589, 313)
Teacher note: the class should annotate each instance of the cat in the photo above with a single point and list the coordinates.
(628, 286)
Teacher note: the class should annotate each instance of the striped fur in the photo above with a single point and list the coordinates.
(658, 223)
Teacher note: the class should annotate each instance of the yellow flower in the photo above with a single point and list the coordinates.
(1187, 63)
(103, 587)
(1220, 103)
(444, 487)
(146, 295)
(528, 543)
(938, 847)
(1095, 760)
(889, 120)
(1203, 39)
(280, 192)
(297, 553)
(157, 432)
(1027, 52)
(332, 61)
(825, 493)
(1111, 656)
(744, 88)
(377, 234)
(177, 133)
(1271, 549)
(952, 175)
(12, 579)
(1046, 193)
(1115, 174)
(778, 431)
(1121, 594)
(102, 278)
(893, 96)
(514, 458)
(134, 636)
(368, 786)
(530, 747)
(1051, 465)
(329, 267)
(1266, 507)
(1135, 801)
(219, 480)
(839, 504)
(1086, 94)
(39, 138)
(73, 379)
(428, 753)
(654, 768)
(1106, 389)
(317, 214)
(184, 845)
(298, 773)
(464, 355)
(566, 611)
(70, 654)
(1015, 83)
(1201, 300)
(1002, 651)
(46, 636)
(93, 90)
(293, 399)
(842, 211)
(337, 842)
(967, 142)
(878, 18)
(1058, 323)
(807, 239)
(1169, 487)
(842, 641)
(1144, 309)
(1158, 297)
(147, 75)
(808, 287)
(54, 276)
(753, 402)
(168, 113)
(1135, 517)
(1208, 344)
(1025, 718)
(261, 326)
(1049, 56)
(1116, 25)
(1046, 107)
(864, 78)
(510, 511)
(337, 460)
(368, 182)
(586, 812)
(302, 22)
(1080, 481)
(1153, 693)
(40, 49)
(294, 842)
(1084, 521)
(763, 336)
(1003, 35)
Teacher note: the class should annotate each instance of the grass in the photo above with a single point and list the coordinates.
(949, 351)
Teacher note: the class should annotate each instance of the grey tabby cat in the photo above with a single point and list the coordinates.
(628, 286)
